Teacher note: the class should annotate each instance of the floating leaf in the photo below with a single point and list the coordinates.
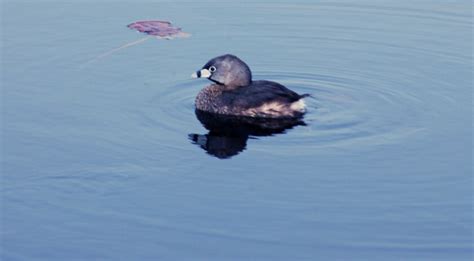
(156, 29)
(161, 29)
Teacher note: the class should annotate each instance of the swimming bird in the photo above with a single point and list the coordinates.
(233, 92)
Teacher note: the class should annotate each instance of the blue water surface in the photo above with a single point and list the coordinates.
(99, 161)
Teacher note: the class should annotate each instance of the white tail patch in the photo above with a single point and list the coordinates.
(277, 109)
(298, 105)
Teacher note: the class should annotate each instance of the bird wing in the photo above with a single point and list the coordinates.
(261, 92)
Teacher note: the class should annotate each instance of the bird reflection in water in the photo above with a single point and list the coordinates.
(228, 135)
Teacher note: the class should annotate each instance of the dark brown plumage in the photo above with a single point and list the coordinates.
(234, 92)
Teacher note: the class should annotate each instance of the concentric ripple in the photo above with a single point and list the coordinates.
(341, 112)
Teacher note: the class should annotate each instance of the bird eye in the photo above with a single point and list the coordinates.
(212, 69)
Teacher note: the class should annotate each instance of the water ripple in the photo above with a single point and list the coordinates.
(343, 111)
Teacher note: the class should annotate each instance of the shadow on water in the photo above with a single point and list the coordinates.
(228, 135)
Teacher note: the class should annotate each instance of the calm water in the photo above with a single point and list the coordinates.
(107, 160)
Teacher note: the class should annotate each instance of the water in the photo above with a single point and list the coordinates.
(99, 162)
